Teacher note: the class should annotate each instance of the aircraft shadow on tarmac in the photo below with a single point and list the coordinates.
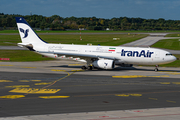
(66, 66)
(116, 69)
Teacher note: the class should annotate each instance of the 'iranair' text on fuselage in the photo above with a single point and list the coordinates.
(142, 53)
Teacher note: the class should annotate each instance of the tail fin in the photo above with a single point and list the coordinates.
(28, 36)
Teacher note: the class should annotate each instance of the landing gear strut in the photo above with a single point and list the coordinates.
(156, 68)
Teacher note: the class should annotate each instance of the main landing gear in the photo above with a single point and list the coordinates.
(87, 67)
(156, 68)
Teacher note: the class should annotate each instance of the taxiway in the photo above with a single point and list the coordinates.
(61, 88)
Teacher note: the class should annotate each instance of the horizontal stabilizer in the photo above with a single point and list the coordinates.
(26, 45)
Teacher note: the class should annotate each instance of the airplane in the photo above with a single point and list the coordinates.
(103, 57)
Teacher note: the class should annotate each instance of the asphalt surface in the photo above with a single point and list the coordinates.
(60, 87)
(84, 93)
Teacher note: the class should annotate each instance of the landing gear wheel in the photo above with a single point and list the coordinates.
(83, 67)
(90, 68)
(156, 69)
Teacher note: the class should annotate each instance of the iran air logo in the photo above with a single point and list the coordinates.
(24, 31)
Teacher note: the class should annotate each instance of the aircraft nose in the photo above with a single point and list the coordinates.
(173, 58)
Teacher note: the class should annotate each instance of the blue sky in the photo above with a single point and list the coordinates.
(148, 9)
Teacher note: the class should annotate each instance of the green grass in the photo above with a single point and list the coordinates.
(93, 31)
(8, 31)
(22, 56)
(173, 44)
(105, 39)
(9, 40)
(173, 35)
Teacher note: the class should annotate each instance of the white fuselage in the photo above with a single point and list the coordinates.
(126, 55)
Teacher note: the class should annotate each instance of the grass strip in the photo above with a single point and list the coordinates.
(172, 44)
(102, 39)
(22, 56)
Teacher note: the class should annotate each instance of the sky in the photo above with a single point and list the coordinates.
(147, 9)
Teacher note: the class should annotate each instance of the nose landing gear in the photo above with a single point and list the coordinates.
(156, 68)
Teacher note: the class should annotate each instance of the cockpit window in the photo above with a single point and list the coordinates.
(168, 54)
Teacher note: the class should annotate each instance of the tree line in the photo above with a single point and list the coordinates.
(56, 22)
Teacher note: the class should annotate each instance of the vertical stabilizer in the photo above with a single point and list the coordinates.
(27, 34)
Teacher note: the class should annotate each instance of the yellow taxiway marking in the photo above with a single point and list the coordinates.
(6, 81)
(171, 72)
(29, 80)
(43, 83)
(53, 97)
(166, 83)
(76, 70)
(128, 76)
(171, 101)
(166, 71)
(23, 80)
(177, 83)
(17, 86)
(36, 80)
(174, 73)
(28, 67)
(34, 90)
(6, 65)
(12, 96)
(122, 95)
(137, 76)
(127, 95)
(58, 70)
(153, 98)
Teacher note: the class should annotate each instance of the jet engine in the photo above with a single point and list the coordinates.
(104, 64)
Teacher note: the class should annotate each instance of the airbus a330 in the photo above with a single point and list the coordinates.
(104, 57)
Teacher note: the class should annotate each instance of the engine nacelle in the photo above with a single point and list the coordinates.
(104, 64)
